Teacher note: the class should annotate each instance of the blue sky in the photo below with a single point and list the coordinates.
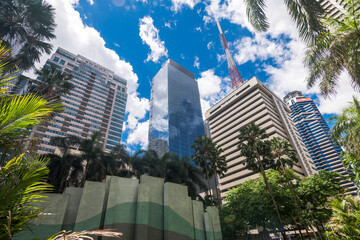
(135, 37)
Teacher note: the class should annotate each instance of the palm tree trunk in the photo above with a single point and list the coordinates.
(207, 177)
(272, 196)
(293, 197)
(217, 191)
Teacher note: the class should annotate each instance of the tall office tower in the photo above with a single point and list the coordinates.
(252, 102)
(96, 103)
(314, 131)
(175, 111)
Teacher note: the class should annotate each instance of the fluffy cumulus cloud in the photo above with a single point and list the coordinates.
(139, 135)
(178, 4)
(212, 88)
(260, 47)
(287, 73)
(91, 45)
(149, 34)
(91, 2)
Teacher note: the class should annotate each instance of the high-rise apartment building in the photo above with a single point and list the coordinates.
(96, 103)
(314, 132)
(252, 102)
(175, 111)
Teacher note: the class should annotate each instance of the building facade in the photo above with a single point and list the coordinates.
(96, 103)
(175, 111)
(252, 102)
(314, 132)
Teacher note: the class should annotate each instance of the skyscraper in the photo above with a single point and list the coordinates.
(175, 111)
(314, 131)
(252, 102)
(96, 103)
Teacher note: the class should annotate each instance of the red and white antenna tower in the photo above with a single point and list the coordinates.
(235, 76)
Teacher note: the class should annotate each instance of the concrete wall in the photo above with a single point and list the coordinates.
(149, 209)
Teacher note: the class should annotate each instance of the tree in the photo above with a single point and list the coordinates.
(202, 156)
(305, 14)
(346, 132)
(258, 156)
(345, 221)
(252, 206)
(28, 26)
(52, 82)
(336, 50)
(21, 181)
(285, 157)
(19, 114)
(315, 193)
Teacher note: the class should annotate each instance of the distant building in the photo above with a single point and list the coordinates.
(175, 111)
(314, 131)
(97, 103)
(252, 102)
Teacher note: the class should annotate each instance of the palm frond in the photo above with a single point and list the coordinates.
(255, 10)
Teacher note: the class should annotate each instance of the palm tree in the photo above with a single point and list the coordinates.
(219, 167)
(182, 171)
(345, 222)
(258, 156)
(305, 14)
(346, 132)
(27, 26)
(21, 181)
(91, 153)
(335, 51)
(285, 157)
(201, 156)
(19, 114)
(52, 82)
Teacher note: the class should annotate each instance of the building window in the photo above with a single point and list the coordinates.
(62, 62)
(56, 59)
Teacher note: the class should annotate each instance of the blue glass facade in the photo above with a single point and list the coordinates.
(175, 111)
(314, 131)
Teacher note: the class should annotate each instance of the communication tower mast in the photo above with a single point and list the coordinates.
(235, 76)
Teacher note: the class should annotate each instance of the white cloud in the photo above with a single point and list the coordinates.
(210, 45)
(149, 34)
(139, 135)
(260, 48)
(197, 62)
(212, 88)
(91, 45)
(198, 29)
(220, 57)
(336, 104)
(178, 4)
(167, 24)
(91, 2)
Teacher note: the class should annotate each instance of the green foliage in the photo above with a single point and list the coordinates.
(336, 50)
(306, 15)
(255, 148)
(53, 83)
(250, 205)
(28, 26)
(209, 157)
(21, 183)
(315, 192)
(346, 132)
(345, 221)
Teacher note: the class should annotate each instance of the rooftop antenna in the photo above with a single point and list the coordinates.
(236, 79)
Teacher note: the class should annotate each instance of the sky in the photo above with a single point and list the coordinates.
(134, 38)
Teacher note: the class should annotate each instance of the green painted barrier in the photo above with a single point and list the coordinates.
(149, 210)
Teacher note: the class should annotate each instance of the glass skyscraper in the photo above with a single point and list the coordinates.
(96, 103)
(175, 111)
(315, 133)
